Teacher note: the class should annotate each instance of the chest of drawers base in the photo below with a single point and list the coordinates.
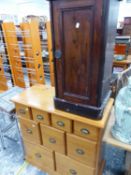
(57, 142)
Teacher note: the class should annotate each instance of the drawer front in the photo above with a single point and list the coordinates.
(53, 138)
(67, 166)
(41, 156)
(86, 131)
(23, 111)
(81, 149)
(30, 130)
(61, 123)
(40, 116)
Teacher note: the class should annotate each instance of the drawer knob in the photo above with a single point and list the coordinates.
(85, 131)
(80, 151)
(38, 155)
(23, 111)
(29, 131)
(52, 140)
(60, 123)
(58, 54)
(73, 172)
(40, 117)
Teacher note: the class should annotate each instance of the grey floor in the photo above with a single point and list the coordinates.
(12, 163)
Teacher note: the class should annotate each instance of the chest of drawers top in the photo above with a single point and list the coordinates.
(40, 97)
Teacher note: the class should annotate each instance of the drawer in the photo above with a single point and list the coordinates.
(61, 123)
(23, 111)
(53, 138)
(81, 149)
(86, 131)
(30, 130)
(41, 116)
(39, 155)
(68, 166)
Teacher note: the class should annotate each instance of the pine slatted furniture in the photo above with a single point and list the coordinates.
(33, 52)
(13, 52)
(3, 79)
(58, 142)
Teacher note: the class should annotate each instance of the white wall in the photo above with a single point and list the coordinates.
(33, 7)
(23, 8)
(125, 10)
(41, 7)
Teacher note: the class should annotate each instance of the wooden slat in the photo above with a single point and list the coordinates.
(25, 27)
(13, 50)
(3, 80)
(50, 50)
(35, 53)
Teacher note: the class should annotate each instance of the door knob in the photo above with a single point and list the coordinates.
(58, 54)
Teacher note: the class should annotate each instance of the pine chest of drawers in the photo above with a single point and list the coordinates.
(58, 142)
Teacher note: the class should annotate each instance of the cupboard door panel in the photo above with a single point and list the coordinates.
(77, 38)
(77, 50)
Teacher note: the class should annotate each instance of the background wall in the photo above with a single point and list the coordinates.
(125, 10)
(23, 8)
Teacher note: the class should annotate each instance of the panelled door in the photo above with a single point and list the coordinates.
(77, 36)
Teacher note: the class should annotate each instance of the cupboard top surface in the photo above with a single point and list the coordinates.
(41, 98)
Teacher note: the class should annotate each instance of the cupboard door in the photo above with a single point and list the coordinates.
(77, 49)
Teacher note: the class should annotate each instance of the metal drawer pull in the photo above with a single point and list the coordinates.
(38, 155)
(80, 151)
(23, 111)
(52, 140)
(73, 172)
(85, 131)
(40, 117)
(60, 123)
(29, 131)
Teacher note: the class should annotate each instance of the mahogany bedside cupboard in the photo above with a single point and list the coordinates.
(59, 142)
(83, 40)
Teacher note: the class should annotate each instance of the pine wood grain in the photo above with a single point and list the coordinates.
(41, 97)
